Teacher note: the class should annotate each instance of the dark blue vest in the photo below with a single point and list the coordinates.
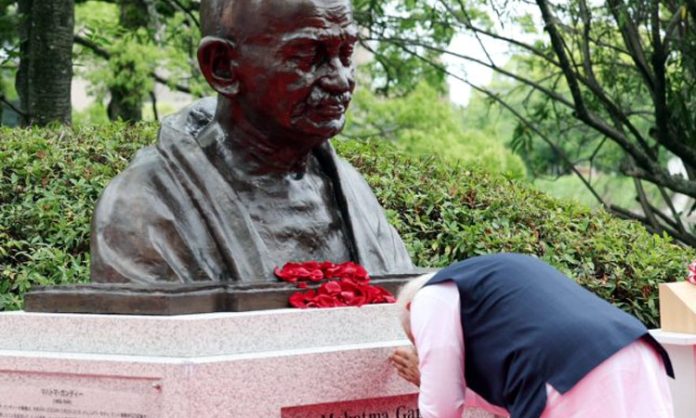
(526, 324)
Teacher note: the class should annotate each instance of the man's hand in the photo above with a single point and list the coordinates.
(405, 361)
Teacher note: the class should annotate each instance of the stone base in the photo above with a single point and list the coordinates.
(682, 352)
(327, 363)
(172, 299)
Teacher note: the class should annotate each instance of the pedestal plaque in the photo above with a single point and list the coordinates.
(57, 395)
(391, 407)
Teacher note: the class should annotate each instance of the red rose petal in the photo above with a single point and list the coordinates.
(351, 288)
(325, 301)
(298, 300)
(331, 288)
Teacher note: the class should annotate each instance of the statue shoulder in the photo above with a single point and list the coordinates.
(350, 174)
(135, 191)
(146, 184)
(193, 118)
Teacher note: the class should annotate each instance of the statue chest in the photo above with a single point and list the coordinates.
(298, 219)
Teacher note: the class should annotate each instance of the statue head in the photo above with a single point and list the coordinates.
(285, 67)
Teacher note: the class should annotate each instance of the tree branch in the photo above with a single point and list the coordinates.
(153, 98)
(670, 205)
(468, 22)
(641, 157)
(645, 204)
(92, 46)
(15, 109)
(535, 85)
(657, 174)
(103, 53)
(188, 12)
(631, 37)
(673, 182)
(665, 131)
(588, 116)
(560, 152)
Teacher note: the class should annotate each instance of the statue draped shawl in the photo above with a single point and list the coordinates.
(172, 217)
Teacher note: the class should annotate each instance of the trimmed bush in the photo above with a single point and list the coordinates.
(446, 212)
(49, 182)
(51, 178)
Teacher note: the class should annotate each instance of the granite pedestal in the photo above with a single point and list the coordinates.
(328, 363)
(682, 351)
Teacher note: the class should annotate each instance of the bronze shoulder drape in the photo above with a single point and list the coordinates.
(171, 216)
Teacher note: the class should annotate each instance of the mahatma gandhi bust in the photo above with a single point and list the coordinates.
(240, 184)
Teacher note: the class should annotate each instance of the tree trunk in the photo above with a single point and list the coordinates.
(128, 105)
(2, 95)
(45, 69)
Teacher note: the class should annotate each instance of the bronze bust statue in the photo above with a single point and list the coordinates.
(240, 184)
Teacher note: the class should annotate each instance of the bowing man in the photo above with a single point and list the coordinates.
(510, 334)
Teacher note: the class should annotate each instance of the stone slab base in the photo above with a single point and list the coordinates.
(172, 299)
(330, 363)
(682, 351)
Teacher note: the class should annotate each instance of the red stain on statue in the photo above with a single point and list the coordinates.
(345, 284)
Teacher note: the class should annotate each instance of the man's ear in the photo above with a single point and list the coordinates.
(217, 59)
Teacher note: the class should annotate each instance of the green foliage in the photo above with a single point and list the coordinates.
(49, 182)
(166, 44)
(611, 85)
(132, 61)
(423, 123)
(94, 114)
(449, 212)
(582, 145)
(51, 178)
(399, 65)
(618, 190)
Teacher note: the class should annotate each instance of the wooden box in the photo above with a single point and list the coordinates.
(678, 307)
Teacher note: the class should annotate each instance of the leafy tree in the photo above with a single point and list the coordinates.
(615, 74)
(424, 123)
(127, 100)
(398, 66)
(130, 44)
(625, 71)
(136, 43)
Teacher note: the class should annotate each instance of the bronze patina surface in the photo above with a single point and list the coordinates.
(171, 299)
(239, 184)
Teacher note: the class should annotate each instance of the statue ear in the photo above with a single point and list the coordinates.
(217, 59)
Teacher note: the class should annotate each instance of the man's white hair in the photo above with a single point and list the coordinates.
(405, 297)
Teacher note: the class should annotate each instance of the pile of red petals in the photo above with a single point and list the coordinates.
(691, 277)
(345, 284)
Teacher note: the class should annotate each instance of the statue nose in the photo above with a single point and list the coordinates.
(338, 78)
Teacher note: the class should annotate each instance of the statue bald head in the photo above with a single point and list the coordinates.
(238, 18)
(211, 16)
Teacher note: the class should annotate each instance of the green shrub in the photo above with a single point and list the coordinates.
(50, 179)
(446, 212)
(49, 182)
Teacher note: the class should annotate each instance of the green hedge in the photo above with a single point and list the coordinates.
(50, 179)
(447, 213)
